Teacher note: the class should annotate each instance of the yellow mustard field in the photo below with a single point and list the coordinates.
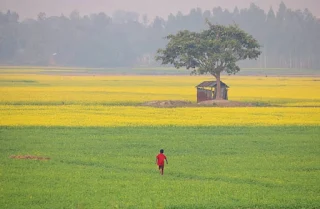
(79, 115)
(59, 89)
(33, 99)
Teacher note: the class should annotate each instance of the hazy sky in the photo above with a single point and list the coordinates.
(30, 8)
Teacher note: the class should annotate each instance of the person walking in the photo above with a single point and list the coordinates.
(160, 161)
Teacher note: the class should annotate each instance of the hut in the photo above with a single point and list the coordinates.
(207, 91)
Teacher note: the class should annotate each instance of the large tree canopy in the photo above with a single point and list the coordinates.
(211, 51)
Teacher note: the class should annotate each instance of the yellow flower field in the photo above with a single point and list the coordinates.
(79, 115)
(57, 89)
(33, 99)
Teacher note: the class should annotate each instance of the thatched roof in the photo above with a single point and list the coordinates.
(211, 84)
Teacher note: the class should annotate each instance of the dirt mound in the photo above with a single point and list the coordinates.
(168, 103)
(225, 103)
(30, 157)
(210, 103)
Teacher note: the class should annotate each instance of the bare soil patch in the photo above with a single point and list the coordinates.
(210, 103)
(29, 157)
(168, 103)
(225, 103)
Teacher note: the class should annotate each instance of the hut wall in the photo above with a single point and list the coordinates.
(204, 95)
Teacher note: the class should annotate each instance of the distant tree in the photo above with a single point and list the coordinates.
(270, 35)
(212, 51)
(42, 16)
(75, 15)
(145, 20)
(289, 38)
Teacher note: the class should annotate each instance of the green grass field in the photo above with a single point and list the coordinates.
(209, 167)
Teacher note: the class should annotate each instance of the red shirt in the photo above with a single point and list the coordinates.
(161, 157)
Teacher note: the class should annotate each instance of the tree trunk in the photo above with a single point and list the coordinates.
(218, 87)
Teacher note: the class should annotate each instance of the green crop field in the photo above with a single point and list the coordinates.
(114, 167)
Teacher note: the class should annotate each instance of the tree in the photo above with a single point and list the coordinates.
(212, 51)
(289, 38)
(42, 16)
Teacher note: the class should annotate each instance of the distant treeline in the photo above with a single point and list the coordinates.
(289, 39)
